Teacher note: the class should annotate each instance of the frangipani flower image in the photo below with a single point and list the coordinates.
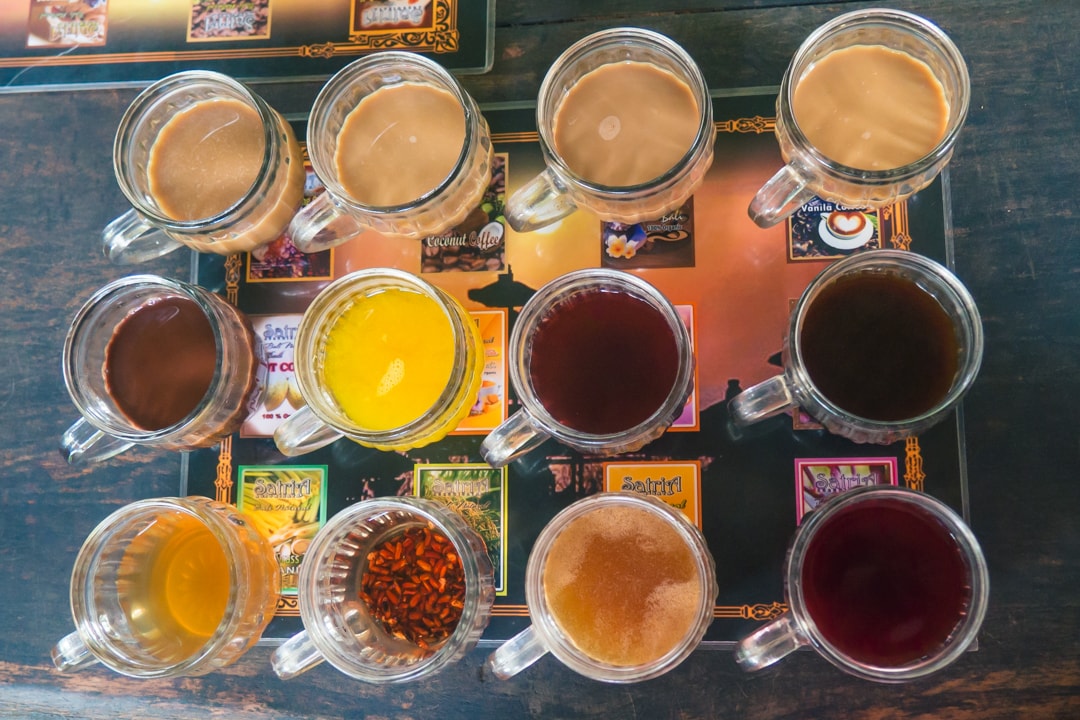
(616, 246)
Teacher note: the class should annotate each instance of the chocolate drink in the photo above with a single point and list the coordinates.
(161, 362)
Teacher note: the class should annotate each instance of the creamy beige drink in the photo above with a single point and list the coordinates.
(208, 157)
(399, 144)
(623, 585)
(871, 108)
(626, 123)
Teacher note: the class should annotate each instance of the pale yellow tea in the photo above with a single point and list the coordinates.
(174, 584)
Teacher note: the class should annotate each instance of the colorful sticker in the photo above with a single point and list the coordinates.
(67, 23)
(477, 492)
(818, 478)
(676, 483)
(280, 261)
(391, 15)
(229, 20)
(478, 243)
(665, 242)
(821, 230)
(489, 409)
(287, 504)
(281, 395)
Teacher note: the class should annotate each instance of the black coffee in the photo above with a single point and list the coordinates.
(879, 347)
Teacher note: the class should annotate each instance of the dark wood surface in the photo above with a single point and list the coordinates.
(1015, 186)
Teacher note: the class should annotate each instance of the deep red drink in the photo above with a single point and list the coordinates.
(885, 583)
(603, 361)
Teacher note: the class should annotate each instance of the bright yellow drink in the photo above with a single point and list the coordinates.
(388, 358)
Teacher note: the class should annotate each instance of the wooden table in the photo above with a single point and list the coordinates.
(1015, 179)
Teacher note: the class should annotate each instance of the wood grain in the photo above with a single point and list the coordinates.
(1014, 182)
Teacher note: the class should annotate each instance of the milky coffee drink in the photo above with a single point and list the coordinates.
(871, 108)
(626, 123)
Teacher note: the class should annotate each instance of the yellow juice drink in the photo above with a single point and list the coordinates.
(389, 358)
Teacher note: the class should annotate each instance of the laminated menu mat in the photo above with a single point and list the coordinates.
(734, 285)
(68, 43)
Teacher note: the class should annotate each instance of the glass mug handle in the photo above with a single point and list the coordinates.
(768, 398)
(302, 433)
(71, 653)
(783, 194)
(321, 225)
(770, 643)
(295, 656)
(131, 239)
(514, 437)
(516, 654)
(538, 203)
(84, 443)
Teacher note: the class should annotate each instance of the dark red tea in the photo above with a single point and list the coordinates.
(879, 346)
(603, 361)
(885, 583)
(160, 362)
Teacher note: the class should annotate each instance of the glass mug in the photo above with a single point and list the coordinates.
(880, 346)
(886, 583)
(385, 359)
(356, 608)
(157, 362)
(607, 156)
(873, 182)
(206, 164)
(384, 139)
(601, 361)
(620, 588)
(169, 587)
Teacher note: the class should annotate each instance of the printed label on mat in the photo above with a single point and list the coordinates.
(287, 504)
(818, 478)
(280, 396)
(676, 483)
(477, 492)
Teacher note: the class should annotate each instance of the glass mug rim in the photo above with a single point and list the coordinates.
(327, 308)
(86, 567)
(967, 627)
(556, 641)
(917, 26)
(84, 401)
(333, 92)
(157, 93)
(872, 261)
(603, 40)
(562, 290)
(477, 565)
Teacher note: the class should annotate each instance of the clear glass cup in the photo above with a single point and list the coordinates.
(799, 626)
(257, 218)
(534, 423)
(104, 430)
(339, 626)
(323, 420)
(547, 635)
(138, 598)
(336, 216)
(559, 191)
(808, 172)
(795, 387)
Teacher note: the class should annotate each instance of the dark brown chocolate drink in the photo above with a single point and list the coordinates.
(160, 362)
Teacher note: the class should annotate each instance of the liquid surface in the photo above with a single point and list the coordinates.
(885, 583)
(871, 108)
(625, 123)
(160, 362)
(388, 358)
(623, 585)
(879, 347)
(174, 586)
(399, 143)
(603, 362)
(206, 158)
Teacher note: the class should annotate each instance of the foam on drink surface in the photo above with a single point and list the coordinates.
(623, 585)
